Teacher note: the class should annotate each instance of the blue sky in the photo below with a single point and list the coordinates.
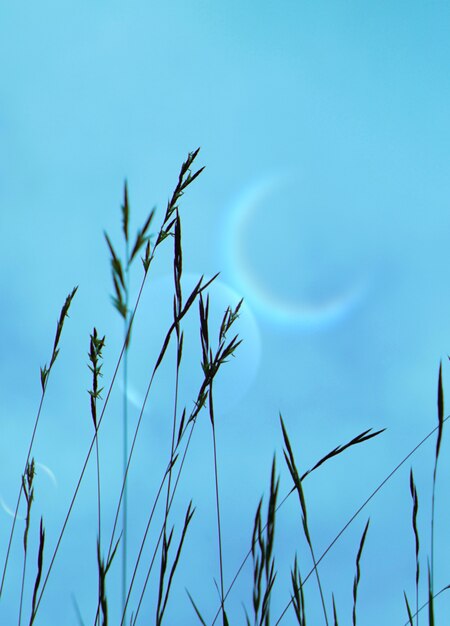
(324, 130)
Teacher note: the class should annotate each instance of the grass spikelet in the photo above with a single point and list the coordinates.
(185, 178)
(142, 238)
(96, 346)
(59, 327)
(364, 436)
(125, 211)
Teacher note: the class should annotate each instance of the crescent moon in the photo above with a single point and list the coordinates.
(9, 511)
(299, 315)
(48, 472)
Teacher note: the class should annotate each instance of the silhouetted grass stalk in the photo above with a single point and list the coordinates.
(169, 538)
(182, 429)
(184, 179)
(44, 375)
(218, 359)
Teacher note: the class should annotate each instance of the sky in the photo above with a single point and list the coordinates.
(324, 203)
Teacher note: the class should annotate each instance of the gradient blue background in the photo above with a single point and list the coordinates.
(324, 128)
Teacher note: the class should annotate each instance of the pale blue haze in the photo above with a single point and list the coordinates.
(325, 131)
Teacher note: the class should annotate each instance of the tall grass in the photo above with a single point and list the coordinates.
(161, 545)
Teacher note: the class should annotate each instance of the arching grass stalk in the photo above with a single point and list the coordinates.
(339, 449)
(439, 429)
(362, 437)
(185, 178)
(262, 547)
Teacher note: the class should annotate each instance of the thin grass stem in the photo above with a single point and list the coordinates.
(184, 179)
(216, 488)
(363, 505)
(427, 604)
(343, 529)
(125, 436)
(45, 373)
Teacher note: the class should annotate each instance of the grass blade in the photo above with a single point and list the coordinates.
(290, 461)
(408, 608)
(358, 570)
(415, 498)
(199, 615)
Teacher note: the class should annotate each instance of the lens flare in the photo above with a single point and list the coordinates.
(245, 213)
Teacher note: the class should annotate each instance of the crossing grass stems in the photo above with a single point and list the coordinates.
(167, 550)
